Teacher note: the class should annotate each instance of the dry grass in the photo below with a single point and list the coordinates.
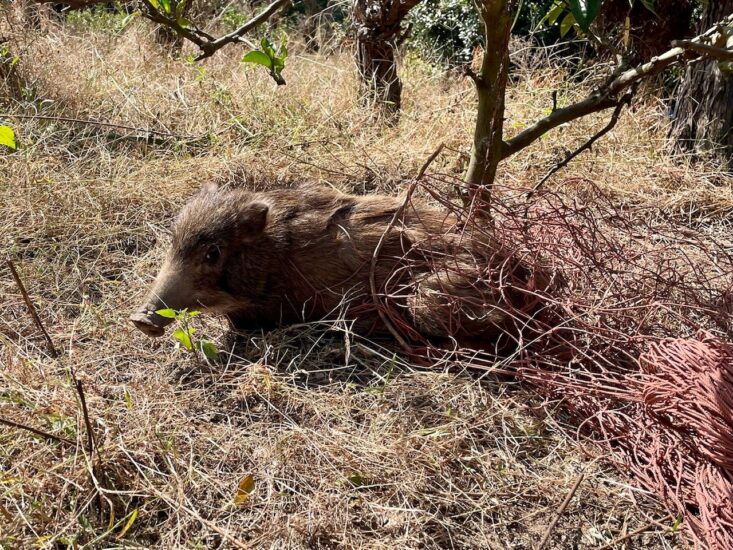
(347, 446)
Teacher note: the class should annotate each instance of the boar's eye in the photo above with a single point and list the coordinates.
(212, 254)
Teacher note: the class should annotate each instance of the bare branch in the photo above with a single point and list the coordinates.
(154, 15)
(705, 49)
(606, 96)
(206, 42)
(36, 431)
(470, 73)
(74, 4)
(32, 309)
(560, 512)
(141, 131)
(592, 104)
(625, 101)
(235, 36)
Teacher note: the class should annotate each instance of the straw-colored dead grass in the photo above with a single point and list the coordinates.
(347, 446)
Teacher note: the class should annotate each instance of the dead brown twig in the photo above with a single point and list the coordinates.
(633, 533)
(95, 460)
(144, 133)
(36, 431)
(560, 512)
(32, 309)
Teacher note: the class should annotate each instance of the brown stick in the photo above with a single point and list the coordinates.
(95, 459)
(378, 249)
(97, 123)
(562, 509)
(707, 50)
(635, 532)
(626, 100)
(91, 442)
(605, 97)
(20, 426)
(31, 308)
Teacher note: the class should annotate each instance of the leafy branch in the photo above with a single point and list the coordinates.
(207, 43)
(169, 13)
(269, 58)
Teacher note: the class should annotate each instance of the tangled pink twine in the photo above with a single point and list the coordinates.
(631, 336)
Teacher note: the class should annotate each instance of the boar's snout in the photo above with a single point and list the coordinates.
(149, 322)
(171, 290)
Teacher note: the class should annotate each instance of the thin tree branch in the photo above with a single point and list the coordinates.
(625, 101)
(205, 42)
(32, 309)
(150, 12)
(470, 73)
(74, 4)
(98, 123)
(235, 36)
(635, 532)
(560, 512)
(20, 426)
(705, 49)
(605, 97)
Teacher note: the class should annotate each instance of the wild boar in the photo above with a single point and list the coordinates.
(285, 256)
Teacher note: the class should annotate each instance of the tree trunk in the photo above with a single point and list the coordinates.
(378, 30)
(486, 154)
(310, 26)
(380, 83)
(703, 113)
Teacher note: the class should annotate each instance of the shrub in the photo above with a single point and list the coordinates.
(448, 29)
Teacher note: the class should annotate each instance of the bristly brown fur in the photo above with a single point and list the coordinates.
(296, 255)
(309, 253)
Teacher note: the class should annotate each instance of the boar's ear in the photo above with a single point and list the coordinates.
(253, 219)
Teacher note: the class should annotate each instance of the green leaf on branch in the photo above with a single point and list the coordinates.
(267, 47)
(7, 137)
(167, 313)
(567, 23)
(180, 19)
(584, 11)
(259, 58)
(184, 337)
(269, 58)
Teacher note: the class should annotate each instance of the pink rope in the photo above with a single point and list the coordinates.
(632, 336)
